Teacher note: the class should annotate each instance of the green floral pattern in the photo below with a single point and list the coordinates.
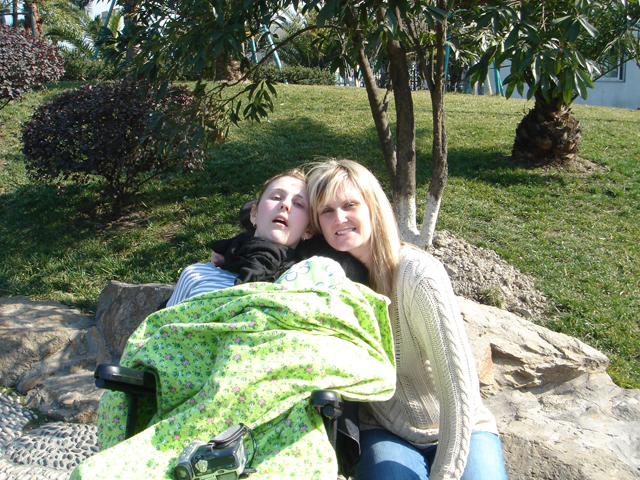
(251, 354)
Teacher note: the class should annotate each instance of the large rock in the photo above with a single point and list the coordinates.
(122, 307)
(49, 352)
(513, 353)
(31, 331)
(559, 414)
(587, 428)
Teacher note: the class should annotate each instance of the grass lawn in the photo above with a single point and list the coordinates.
(576, 234)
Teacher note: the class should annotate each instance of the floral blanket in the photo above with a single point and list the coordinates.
(251, 354)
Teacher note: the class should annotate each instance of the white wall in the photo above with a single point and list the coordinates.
(623, 93)
(616, 93)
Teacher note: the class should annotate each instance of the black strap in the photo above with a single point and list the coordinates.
(348, 441)
(229, 436)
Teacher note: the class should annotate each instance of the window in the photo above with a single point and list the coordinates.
(615, 71)
(616, 74)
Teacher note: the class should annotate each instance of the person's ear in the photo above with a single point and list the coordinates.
(308, 233)
(253, 216)
(245, 213)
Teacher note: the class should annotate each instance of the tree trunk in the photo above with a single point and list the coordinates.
(379, 114)
(434, 74)
(439, 148)
(400, 155)
(227, 69)
(403, 184)
(35, 18)
(15, 13)
(547, 135)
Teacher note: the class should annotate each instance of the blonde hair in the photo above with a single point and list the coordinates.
(327, 179)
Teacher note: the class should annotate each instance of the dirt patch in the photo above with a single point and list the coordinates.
(481, 275)
(123, 223)
(577, 165)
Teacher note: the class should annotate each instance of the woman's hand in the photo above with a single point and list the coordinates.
(217, 259)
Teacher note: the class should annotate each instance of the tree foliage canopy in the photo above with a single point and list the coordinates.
(556, 48)
(539, 39)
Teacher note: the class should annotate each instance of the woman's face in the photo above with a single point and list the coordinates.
(282, 215)
(346, 224)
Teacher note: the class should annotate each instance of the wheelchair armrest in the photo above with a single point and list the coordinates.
(330, 405)
(134, 383)
(328, 402)
(124, 379)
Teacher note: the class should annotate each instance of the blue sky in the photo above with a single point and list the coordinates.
(98, 7)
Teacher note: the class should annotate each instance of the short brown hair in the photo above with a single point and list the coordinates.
(293, 173)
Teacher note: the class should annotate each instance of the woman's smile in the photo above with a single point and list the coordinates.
(346, 224)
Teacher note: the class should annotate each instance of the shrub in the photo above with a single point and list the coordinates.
(77, 67)
(295, 75)
(103, 130)
(26, 63)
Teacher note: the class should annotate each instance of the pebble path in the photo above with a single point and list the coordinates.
(30, 450)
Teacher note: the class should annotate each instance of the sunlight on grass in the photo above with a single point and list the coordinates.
(576, 234)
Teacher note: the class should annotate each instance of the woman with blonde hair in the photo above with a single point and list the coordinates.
(435, 426)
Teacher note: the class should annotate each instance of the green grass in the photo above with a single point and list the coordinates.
(577, 235)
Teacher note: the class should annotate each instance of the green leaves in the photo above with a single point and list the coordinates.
(572, 26)
(260, 100)
(327, 11)
(543, 44)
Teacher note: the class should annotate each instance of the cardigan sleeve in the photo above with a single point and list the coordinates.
(434, 319)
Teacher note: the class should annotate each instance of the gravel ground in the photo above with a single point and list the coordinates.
(481, 275)
(33, 450)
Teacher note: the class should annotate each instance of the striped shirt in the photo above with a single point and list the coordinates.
(200, 278)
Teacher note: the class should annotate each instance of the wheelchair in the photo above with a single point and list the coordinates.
(340, 417)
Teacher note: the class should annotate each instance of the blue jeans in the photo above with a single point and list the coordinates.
(386, 456)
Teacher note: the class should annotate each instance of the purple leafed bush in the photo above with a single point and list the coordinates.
(26, 63)
(105, 130)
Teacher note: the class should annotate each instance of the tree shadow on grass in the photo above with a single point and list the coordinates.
(241, 165)
(37, 213)
(493, 168)
(38, 226)
(490, 166)
(48, 241)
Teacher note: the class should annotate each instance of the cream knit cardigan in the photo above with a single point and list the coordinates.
(437, 396)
